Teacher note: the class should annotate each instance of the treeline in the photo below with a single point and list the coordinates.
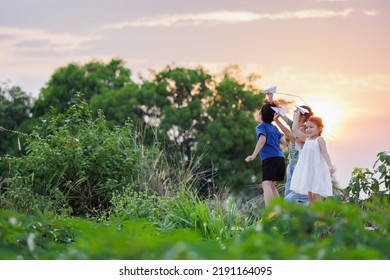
(190, 111)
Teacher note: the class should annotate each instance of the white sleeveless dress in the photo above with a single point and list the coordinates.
(311, 173)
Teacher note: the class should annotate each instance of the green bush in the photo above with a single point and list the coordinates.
(370, 185)
(130, 204)
(73, 161)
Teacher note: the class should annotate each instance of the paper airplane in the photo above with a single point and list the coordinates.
(279, 110)
(273, 90)
(269, 90)
(301, 109)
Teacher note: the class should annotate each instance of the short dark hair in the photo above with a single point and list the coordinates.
(267, 113)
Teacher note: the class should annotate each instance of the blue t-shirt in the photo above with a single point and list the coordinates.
(271, 147)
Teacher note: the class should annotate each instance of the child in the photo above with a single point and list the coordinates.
(312, 174)
(269, 139)
(294, 149)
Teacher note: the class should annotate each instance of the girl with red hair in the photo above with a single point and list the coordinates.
(312, 174)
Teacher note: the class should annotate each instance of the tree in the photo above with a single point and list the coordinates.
(181, 95)
(197, 114)
(230, 131)
(189, 110)
(15, 106)
(118, 105)
(92, 79)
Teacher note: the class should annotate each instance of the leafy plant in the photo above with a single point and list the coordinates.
(367, 185)
(327, 230)
(15, 107)
(131, 204)
(34, 237)
(74, 160)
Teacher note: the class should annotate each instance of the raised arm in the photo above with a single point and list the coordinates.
(295, 127)
(259, 145)
(270, 97)
(285, 118)
(285, 129)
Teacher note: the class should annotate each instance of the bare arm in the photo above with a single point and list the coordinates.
(300, 135)
(285, 118)
(285, 129)
(270, 97)
(259, 145)
(325, 153)
(283, 142)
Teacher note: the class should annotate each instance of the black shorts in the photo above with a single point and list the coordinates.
(273, 169)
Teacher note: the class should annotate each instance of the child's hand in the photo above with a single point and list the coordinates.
(270, 97)
(249, 158)
(297, 113)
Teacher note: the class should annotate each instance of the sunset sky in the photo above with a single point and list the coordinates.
(334, 54)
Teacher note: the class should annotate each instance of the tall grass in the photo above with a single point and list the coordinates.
(206, 216)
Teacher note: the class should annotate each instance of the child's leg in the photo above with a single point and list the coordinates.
(314, 197)
(269, 191)
(274, 190)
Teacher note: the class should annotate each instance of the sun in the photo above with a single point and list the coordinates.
(333, 112)
(332, 115)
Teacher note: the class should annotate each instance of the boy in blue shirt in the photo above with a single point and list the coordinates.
(269, 139)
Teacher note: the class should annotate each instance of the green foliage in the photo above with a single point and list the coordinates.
(145, 199)
(199, 115)
(192, 110)
(327, 230)
(164, 173)
(209, 218)
(229, 134)
(162, 178)
(93, 78)
(366, 185)
(15, 106)
(118, 105)
(74, 161)
(29, 237)
(173, 102)
(130, 204)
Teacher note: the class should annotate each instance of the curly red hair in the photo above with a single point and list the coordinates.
(318, 122)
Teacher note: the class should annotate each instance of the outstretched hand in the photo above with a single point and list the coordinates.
(249, 158)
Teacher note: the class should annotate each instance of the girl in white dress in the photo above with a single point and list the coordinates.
(312, 174)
